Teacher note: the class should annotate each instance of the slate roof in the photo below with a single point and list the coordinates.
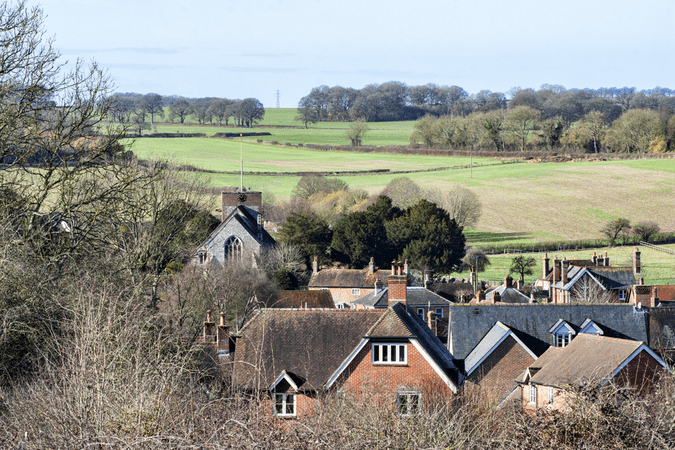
(468, 324)
(416, 296)
(243, 216)
(508, 295)
(662, 328)
(492, 339)
(302, 299)
(347, 278)
(310, 344)
(587, 358)
(610, 277)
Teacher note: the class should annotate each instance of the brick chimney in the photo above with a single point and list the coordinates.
(636, 261)
(315, 265)
(371, 266)
(508, 281)
(565, 268)
(520, 283)
(556, 270)
(605, 261)
(546, 268)
(654, 301)
(433, 322)
(496, 298)
(209, 328)
(595, 259)
(398, 284)
(406, 267)
(378, 286)
(223, 337)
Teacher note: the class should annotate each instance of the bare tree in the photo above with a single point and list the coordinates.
(646, 230)
(356, 131)
(616, 228)
(586, 290)
(460, 203)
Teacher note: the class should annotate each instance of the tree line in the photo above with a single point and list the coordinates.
(522, 127)
(136, 109)
(395, 100)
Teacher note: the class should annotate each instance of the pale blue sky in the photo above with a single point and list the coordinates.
(252, 48)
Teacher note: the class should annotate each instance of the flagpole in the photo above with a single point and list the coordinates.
(241, 185)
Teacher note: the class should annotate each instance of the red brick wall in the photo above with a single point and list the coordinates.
(641, 373)
(397, 289)
(496, 375)
(558, 402)
(362, 375)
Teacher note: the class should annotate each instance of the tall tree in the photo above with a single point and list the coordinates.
(250, 111)
(428, 238)
(181, 108)
(152, 104)
(310, 234)
(523, 120)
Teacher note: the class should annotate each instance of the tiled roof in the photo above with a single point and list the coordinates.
(302, 299)
(665, 293)
(662, 328)
(310, 344)
(587, 358)
(347, 278)
(468, 324)
(416, 296)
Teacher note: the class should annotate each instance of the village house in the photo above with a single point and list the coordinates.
(504, 293)
(493, 344)
(588, 362)
(297, 355)
(594, 280)
(347, 285)
(240, 236)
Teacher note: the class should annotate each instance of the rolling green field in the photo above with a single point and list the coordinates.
(521, 203)
(280, 122)
(657, 267)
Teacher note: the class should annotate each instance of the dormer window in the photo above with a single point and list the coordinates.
(562, 333)
(284, 405)
(590, 327)
(389, 354)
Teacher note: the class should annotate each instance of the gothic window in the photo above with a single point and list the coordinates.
(233, 248)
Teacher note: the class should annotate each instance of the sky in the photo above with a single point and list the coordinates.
(255, 48)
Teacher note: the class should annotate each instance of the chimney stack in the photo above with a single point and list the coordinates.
(315, 265)
(398, 285)
(636, 261)
(209, 328)
(546, 268)
(556, 270)
(433, 323)
(371, 266)
(496, 298)
(654, 301)
(378, 286)
(595, 259)
(223, 338)
(565, 268)
(605, 261)
(406, 267)
(508, 281)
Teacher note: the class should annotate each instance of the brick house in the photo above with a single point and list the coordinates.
(504, 293)
(588, 362)
(591, 280)
(347, 285)
(297, 355)
(493, 343)
(240, 235)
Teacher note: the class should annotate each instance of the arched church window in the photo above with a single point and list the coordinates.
(233, 248)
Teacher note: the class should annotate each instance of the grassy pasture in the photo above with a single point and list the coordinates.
(657, 267)
(521, 202)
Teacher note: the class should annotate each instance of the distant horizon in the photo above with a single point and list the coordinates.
(236, 50)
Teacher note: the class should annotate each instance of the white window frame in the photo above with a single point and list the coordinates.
(285, 401)
(439, 313)
(408, 403)
(562, 340)
(356, 291)
(549, 395)
(382, 354)
(622, 295)
(420, 312)
(533, 395)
